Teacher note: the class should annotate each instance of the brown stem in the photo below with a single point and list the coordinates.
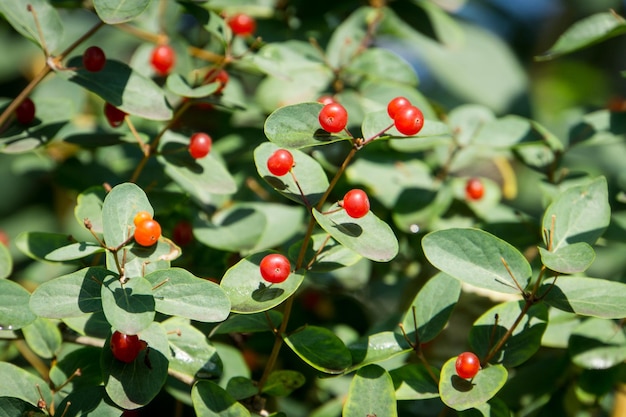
(508, 334)
(33, 359)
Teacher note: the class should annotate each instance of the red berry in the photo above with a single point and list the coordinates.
(474, 189)
(280, 162)
(333, 117)
(215, 76)
(141, 216)
(241, 24)
(396, 104)
(4, 238)
(182, 233)
(114, 115)
(355, 203)
(275, 268)
(326, 100)
(125, 347)
(94, 59)
(25, 112)
(409, 120)
(148, 232)
(200, 145)
(467, 365)
(162, 59)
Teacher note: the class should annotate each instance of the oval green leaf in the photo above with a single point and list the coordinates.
(377, 347)
(597, 344)
(43, 337)
(209, 400)
(128, 307)
(250, 293)
(179, 293)
(462, 394)
(368, 236)
(113, 12)
(478, 258)
(89, 207)
(22, 20)
(283, 383)
(371, 394)
(250, 323)
(178, 85)
(18, 383)
(320, 348)
(569, 259)
(92, 401)
(413, 382)
(14, 311)
(120, 207)
(328, 253)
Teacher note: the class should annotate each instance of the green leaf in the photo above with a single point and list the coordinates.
(249, 227)
(522, 344)
(433, 306)
(250, 323)
(120, 207)
(579, 214)
(320, 348)
(209, 400)
(241, 388)
(73, 251)
(178, 85)
(586, 32)
(10, 407)
(505, 132)
(212, 22)
(123, 87)
(87, 359)
(377, 63)
(71, 295)
(495, 407)
(598, 344)
(43, 337)
(6, 262)
(587, 296)
(14, 311)
(18, 383)
(368, 236)
(39, 245)
(92, 401)
(377, 347)
(347, 38)
(199, 177)
(308, 172)
(328, 253)
(179, 293)
(477, 257)
(250, 293)
(132, 385)
(569, 259)
(21, 140)
(23, 21)
(283, 383)
(371, 394)
(461, 394)
(90, 324)
(113, 12)
(413, 382)
(298, 126)
(89, 206)
(446, 28)
(140, 260)
(128, 307)
(192, 354)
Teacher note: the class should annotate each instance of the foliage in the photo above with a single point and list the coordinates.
(375, 310)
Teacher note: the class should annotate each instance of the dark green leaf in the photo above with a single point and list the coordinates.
(87, 360)
(241, 388)
(128, 307)
(89, 207)
(250, 293)
(377, 347)
(22, 20)
(587, 296)
(113, 12)
(522, 344)
(328, 253)
(11, 407)
(478, 258)
(598, 344)
(250, 323)
(15, 141)
(39, 245)
(320, 348)
(371, 394)
(209, 400)
(414, 382)
(462, 394)
(14, 311)
(570, 259)
(282, 383)
(495, 407)
(19, 383)
(92, 401)
(178, 292)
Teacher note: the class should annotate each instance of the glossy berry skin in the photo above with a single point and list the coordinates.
(409, 120)
(280, 162)
(148, 232)
(200, 145)
(183, 233)
(140, 217)
(326, 100)
(396, 104)
(114, 116)
(125, 347)
(467, 365)
(25, 112)
(162, 59)
(355, 203)
(242, 24)
(474, 189)
(275, 268)
(333, 118)
(94, 59)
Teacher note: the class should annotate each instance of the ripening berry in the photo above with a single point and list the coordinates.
(474, 189)
(275, 268)
(467, 365)
(140, 217)
(25, 112)
(333, 118)
(242, 24)
(114, 116)
(200, 145)
(162, 59)
(148, 232)
(409, 120)
(326, 99)
(396, 104)
(355, 203)
(125, 347)
(94, 59)
(280, 162)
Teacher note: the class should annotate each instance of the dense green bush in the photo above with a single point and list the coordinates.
(498, 228)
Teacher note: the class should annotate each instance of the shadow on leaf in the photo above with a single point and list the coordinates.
(176, 154)
(461, 384)
(265, 293)
(350, 229)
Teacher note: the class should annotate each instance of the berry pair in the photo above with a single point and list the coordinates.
(407, 118)
(147, 230)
